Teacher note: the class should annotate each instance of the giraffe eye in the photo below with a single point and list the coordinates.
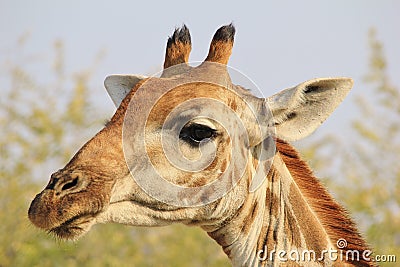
(195, 133)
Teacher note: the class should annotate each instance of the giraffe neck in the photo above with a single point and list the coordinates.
(280, 216)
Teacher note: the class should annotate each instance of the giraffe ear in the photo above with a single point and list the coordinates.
(119, 85)
(298, 111)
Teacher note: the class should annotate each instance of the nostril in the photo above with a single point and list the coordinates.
(70, 185)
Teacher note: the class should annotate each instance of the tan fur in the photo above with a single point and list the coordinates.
(220, 52)
(177, 53)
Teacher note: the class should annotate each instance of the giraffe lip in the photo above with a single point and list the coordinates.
(74, 227)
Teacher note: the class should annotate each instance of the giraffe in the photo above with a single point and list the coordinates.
(269, 209)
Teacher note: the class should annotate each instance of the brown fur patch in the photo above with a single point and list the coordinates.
(183, 93)
(220, 52)
(249, 220)
(292, 226)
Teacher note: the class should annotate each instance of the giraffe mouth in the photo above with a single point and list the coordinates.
(74, 227)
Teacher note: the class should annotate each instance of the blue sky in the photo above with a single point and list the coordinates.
(278, 43)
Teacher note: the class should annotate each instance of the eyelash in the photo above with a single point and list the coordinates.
(195, 133)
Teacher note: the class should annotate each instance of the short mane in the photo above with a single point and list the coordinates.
(334, 217)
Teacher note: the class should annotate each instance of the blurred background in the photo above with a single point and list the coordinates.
(54, 56)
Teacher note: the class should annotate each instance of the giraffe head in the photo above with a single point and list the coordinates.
(188, 146)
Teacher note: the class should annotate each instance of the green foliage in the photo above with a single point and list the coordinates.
(42, 126)
(365, 172)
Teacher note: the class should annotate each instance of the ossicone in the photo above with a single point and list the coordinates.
(221, 45)
(178, 48)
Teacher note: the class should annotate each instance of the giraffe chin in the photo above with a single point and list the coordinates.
(74, 228)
